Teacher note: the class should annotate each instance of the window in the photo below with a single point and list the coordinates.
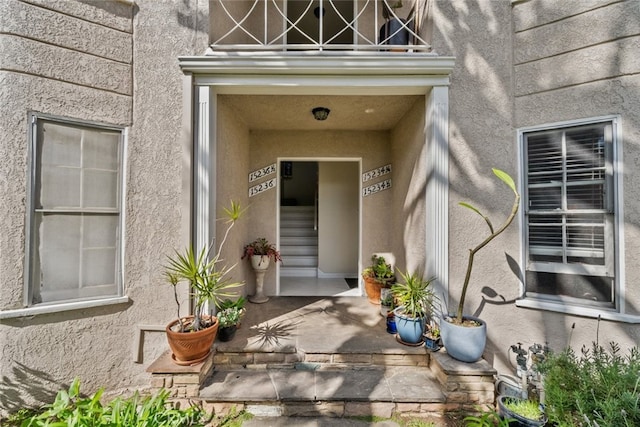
(74, 240)
(570, 212)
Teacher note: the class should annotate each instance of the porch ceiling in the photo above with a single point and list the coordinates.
(293, 112)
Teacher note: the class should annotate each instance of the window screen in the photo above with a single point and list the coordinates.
(75, 217)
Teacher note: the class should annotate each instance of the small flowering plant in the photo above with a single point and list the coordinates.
(261, 246)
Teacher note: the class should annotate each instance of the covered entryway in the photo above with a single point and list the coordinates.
(389, 114)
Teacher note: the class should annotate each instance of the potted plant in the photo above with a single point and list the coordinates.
(465, 337)
(239, 303)
(415, 298)
(260, 252)
(190, 337)
(432, 337)
(378, 275)
(228, 319)
(521, 412)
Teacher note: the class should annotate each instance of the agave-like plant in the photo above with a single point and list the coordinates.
(506, 178)
(207, 276)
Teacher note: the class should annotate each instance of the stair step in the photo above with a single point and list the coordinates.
(298, 271)
(298, 232)
(324, 384)
(300, 250)
(298, 241)
(300, 261)
(297, 222)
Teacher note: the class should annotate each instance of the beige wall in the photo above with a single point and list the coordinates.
(265, 146)
(83, 60)
(409, 189)
(564, 61)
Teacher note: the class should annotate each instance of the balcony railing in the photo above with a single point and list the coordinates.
(297, 25)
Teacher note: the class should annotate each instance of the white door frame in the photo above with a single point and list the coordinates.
(358, 160)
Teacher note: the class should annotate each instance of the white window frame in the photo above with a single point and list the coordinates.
(568, 305)
(118, 297)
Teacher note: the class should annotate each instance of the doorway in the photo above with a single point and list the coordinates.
(319, 227)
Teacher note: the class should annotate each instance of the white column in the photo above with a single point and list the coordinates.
(437, 191)
(201, 169)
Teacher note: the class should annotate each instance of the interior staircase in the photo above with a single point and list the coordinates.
(298, 241)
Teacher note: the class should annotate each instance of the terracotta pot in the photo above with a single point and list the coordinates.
(189, 348)
(372, 287)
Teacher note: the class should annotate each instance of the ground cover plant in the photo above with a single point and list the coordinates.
(71, 408)
(599, 387)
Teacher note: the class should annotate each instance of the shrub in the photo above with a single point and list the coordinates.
(599, 387)
(70, 408)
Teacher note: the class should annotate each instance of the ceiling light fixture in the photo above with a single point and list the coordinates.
(320, 113)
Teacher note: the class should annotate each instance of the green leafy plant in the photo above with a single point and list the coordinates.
(207, 276)
(239, 303)
(380, 270)
(71, 408)
(525, 408)
(506, 178)
(598, 387)
(414, 294)
(486, 419)
(228, 317)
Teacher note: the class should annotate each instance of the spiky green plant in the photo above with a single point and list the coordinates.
(207, 276)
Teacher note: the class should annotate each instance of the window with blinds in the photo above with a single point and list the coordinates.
(569, 210)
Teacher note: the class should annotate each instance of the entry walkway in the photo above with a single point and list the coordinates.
(328, 356)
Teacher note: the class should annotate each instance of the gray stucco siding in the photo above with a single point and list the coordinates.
(59, 29)
(579, 66)
(591, 28)
(24, 55)
(534, 13)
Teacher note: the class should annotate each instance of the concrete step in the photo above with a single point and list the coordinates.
(308, 389)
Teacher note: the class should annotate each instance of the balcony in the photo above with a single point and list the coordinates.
(319, 25)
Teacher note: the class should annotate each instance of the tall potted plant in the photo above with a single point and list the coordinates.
(415, 297)
(260, 252)
(465, 337)
(191, 337)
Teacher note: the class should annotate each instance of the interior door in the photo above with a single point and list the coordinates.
(338, 219)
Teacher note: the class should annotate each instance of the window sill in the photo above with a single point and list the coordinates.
(578, 311)
(57, 308)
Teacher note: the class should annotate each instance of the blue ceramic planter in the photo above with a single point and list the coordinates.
(410, 329)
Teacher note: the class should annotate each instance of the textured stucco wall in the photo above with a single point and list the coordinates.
(409, 188)
(232, 165)
(83, 60)
(593, 72)
(561, 63)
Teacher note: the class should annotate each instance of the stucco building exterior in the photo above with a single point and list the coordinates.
(128, 125)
